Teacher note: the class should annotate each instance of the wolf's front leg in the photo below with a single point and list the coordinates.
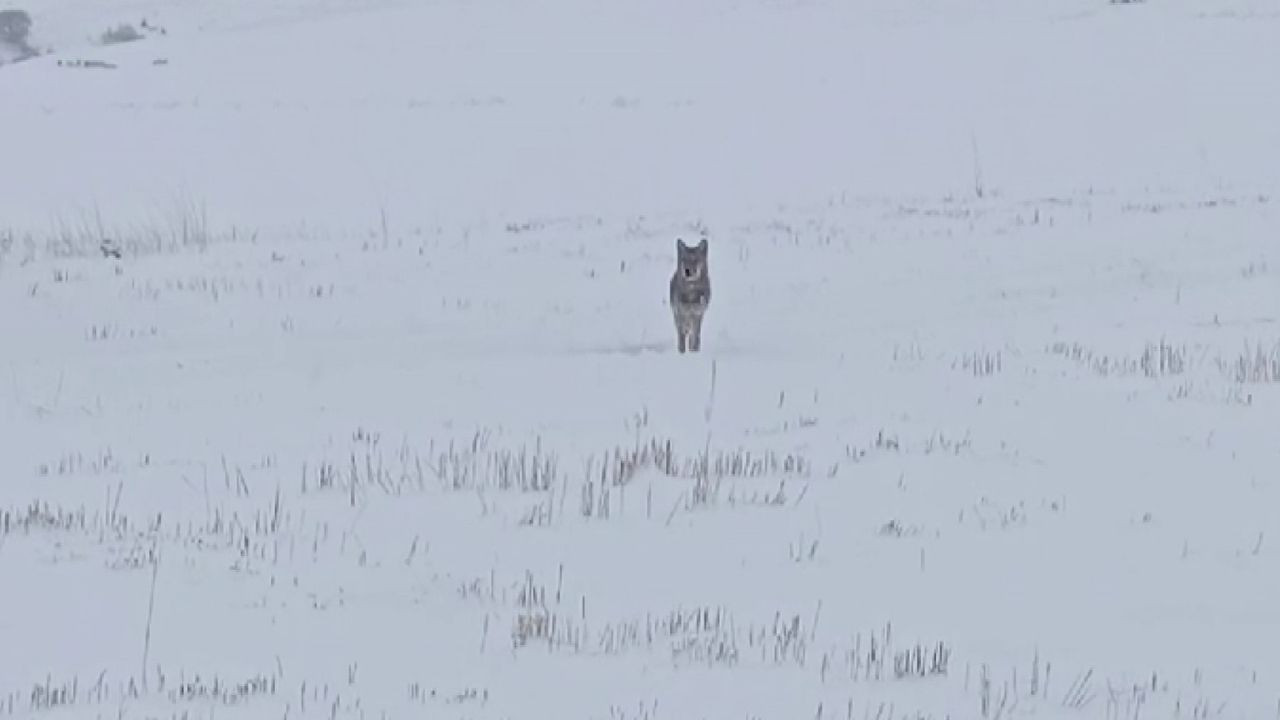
(695, 334)
(680, 336)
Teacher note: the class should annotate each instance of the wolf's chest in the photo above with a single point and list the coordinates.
(690, 294)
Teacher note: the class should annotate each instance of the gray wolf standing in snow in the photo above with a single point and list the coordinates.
(690, 294)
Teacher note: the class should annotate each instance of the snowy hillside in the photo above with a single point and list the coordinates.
(340, 380)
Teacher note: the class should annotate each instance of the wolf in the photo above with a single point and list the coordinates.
(690, 294)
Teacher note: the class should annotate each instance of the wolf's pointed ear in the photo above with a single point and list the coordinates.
(680, 244)
(703, 245)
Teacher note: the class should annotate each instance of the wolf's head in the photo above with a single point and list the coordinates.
(691, 262)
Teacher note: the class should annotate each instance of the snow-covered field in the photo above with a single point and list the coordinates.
(378, 414)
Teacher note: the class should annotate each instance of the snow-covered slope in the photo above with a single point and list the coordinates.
(491, 109)
(378, 412)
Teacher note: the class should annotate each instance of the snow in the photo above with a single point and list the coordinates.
(378, 413)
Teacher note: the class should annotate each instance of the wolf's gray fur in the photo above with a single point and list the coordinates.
(690, 294)
(15, 27)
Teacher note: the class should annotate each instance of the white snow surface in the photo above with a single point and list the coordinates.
(337, 378)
